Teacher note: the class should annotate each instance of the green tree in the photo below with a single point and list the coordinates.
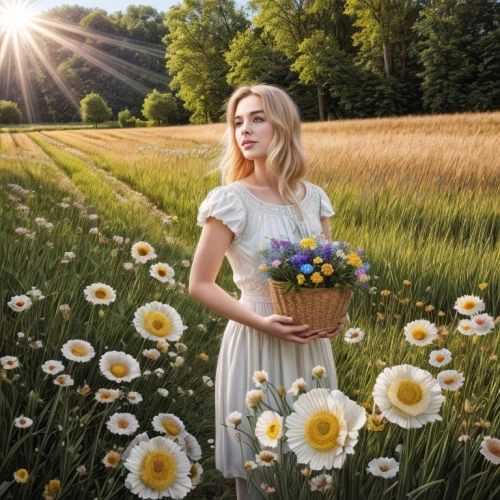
(125, 119)
(98, 20)
(200, 34)
(95, 109)
(10, 113)
(160, 108)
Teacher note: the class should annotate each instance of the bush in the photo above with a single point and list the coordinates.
(141, 123)
(125, 119)
(161, 108)
(95, 109)
(10, 113)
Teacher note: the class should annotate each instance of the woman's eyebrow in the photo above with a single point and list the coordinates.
(252, 113)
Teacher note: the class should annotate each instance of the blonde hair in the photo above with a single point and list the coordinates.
(286, 157)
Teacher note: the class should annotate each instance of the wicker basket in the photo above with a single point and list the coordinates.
(317, 307)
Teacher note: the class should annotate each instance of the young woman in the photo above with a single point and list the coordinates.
(263, 194)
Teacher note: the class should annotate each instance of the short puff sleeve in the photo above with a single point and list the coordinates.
(224, 204)
(326, 209)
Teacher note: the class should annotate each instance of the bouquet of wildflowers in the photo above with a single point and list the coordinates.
(314, 263)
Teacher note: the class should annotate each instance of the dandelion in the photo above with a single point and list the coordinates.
(440, 358)
(23, 422)
(420, 332)
(142, 252)
(298, 386)
(234, 419)
(408, 396)
(323, 428)
(354, 335)
(19, 303)
(99, 293)
(119, 367)
(78, 350)
(482, 323)
(469, 305)
(260, 377)
(450, 380)
(266, 458)
(383, 467)
(162, 392)
(52, 367)
(254, 397)
(490, 448)
(319, 372)
(163, 273)
(21, 476)
(9, 362)
(158, 468)
(153, 354)
(124, 424)
(111, 459)
(269, 428)
(169, 424)
(107, 395)
(157, 321)
(64, 380)
(322, 483)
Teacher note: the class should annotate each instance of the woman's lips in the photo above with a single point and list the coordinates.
(248, 145)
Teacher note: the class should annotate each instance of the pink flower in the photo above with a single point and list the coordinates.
(276, 262)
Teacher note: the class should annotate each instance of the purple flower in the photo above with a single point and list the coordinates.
(275, 242)
(299, 259)
(306, 269)
(359, 272)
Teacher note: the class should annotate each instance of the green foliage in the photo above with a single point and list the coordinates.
(10, 113)
(95, 109)
(125, 119)
(98, 20)
(160, 108)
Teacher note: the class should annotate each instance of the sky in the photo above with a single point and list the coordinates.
(108, 5)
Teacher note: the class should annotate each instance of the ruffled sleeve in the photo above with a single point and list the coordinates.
(326, 209)
(224, 204)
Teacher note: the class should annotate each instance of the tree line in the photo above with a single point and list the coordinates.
(336, 58)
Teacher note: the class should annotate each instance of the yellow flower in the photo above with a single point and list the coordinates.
(385, 293)
(406, 282)
(175, 218)
(380, 316)
(308, 243)
(281, 391)
(327, 269)
(429, 308)
(482, 286)
(419, 304)
(354, 260)
(375, 423)
(21, 475)
(474, 339)
(317, 260)
(441, 313)
(52, 489)
(300, 278)
(263, 269)
(367, 406)
(316, 278)
(203, 356)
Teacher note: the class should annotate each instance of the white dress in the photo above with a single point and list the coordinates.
(245, 350)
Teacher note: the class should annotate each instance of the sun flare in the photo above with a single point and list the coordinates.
(15, 14)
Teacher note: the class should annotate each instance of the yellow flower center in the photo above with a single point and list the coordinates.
(466, 327)
(158, 470)
(20, 303)
(494, 448)
(321, 431)
(194, 471)
(105, 395)
(162, 272)
(409, 397)
(157, 324)
(266, 456)
(22, 421)
(171, 428)
(113, 459)
(439, 358)
(119, 370)
(10, 362)
(273, 430)
(410, 393)
(354, 335)
(100, 293)
(123, 423)
(143, 251)
(52, 367)
(449, 381)
(79, 350)
(468, 304)
(480, 321)
(61, 380)
(21, 475)
(419, 334)
(384, 468)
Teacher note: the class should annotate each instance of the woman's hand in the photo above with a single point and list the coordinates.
(282, 327)
(327, 333)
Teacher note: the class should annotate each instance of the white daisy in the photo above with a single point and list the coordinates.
(64, 380)
(23, 422)
(259, 378)
(440, 358)
(469, 305)
(128, 266)
(107, 395)
(35, 294)
(319, 372)
(134, 398)
(19, 303)
(157, 321)
(297, 386)
(266, 458)
(269, 428)
(169, 424)
(254, 397)
(482, 323)
(421, 332)
(466, 327)
(323, 482)
(163, 273)
(408, 396)
(383, 467)
(250, 465)
(191, 447)
(122, 423)
(354, 335)
(151, 353)
(52, 367)
(99, 293)
(162, 392)
(158, 468)
(9, 362)
(450, 380)
(142, 252)
(119, 366)
(323, 428)
(112, 459)
(234, 419)
(78, 350)
(490, 448)
(196, 472)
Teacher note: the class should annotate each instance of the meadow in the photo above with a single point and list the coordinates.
(419, 194)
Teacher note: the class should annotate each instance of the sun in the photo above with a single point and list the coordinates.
(14, 14)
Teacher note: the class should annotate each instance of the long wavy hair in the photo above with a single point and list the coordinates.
(286, 157)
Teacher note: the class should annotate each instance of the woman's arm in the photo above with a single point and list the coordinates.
(214, 241)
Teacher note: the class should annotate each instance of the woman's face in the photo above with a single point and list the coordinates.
(252, 127)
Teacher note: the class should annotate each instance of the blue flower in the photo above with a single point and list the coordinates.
(306, 269)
